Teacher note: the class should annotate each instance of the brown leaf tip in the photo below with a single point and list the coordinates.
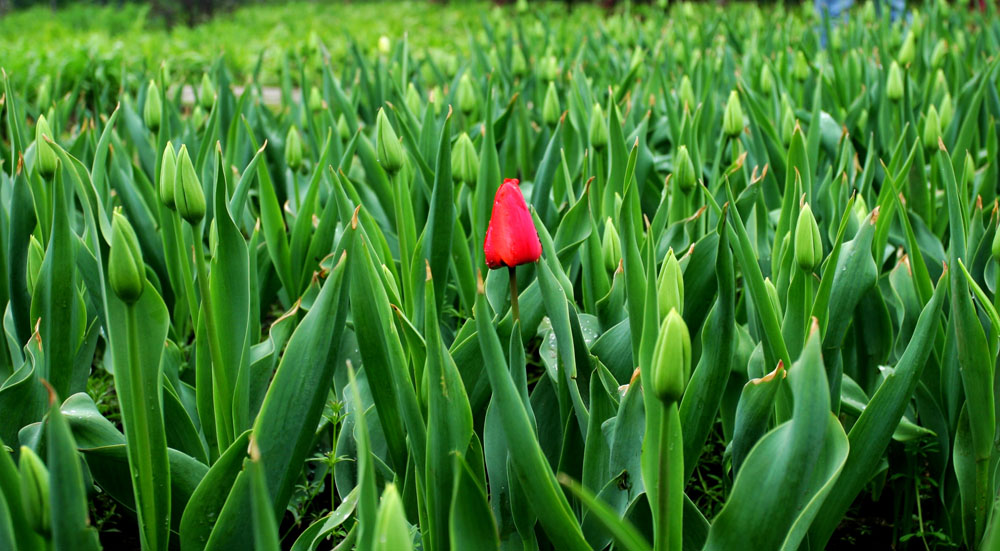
(354, 218)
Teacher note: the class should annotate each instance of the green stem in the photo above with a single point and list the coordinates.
(661, 531)
(512, 271)
(223, 391)
(185, 261)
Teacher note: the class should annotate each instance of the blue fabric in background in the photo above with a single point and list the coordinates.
(836, 10)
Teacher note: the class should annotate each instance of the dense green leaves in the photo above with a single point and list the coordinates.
(286, 336)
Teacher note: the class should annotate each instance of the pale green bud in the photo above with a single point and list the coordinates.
(671, 367)
(598, 128)
(518, 65)
(168, 174)
(969, 170)
(465, 161)
(45, 156)
(45, 92)
(808, 244)
(35, 491)
(387, 147)
(206, 96)
(685, 93)
(732, 117)
(863, 120)
(413, 99)
(152, 111)
(908, 51)
(787, 125)
(392, 532)
(772, 294)
(36, 255)
(684, 173)
(670, 287)
(384, 45)
(946, 112)
(939, 54)
(611, 246)
(801, 67)
(766, 80)
(932, 129)
(940, 85)
(894, 83)
(126, 270)
(198, 116)
(343, 130)
(860, 210)
(315, 101)
(293, 149)
(550, 68)
(995, 248)
(550, 107)
(466, 94)
(189, 197)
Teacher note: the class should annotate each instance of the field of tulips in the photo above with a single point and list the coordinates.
(667, 280)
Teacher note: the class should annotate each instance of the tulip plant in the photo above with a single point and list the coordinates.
(659, 279)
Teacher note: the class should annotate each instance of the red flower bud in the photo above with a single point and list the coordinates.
(511, 238)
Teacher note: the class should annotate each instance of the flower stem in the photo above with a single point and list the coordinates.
(512, 271)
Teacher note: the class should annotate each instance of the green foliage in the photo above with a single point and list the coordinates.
(765, 313)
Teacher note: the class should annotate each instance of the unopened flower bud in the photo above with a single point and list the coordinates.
(801, 68)
(685, 93)
(766, 80)
(189, 197)
(969, 170)
(550, 68)
(384, 45)
(36, 255)
(598, 128)
(387, 146)
(684, 176)
(932, 129)
(611, 247)
(126, 270)
(550, 107)
(315, 101)
(939, 53)
(390, 523)
(45, 92)
(168, 174)
(152, 111)
(466, 94)
(946, 112)
(787, 125)
(45, 155)
(465, 161)
(894, 83)
(671, 367)
(342, 129)
(908, 51)
(293, 149)
(995, 248)
(732, 118)
(206, 95)
(808, 244)
(412, 99)
(670, 287)
(35, 491)
(518, 65)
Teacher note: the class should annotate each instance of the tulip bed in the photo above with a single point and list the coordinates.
(653, 279)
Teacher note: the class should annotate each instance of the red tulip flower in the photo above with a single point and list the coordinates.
(511, 238)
